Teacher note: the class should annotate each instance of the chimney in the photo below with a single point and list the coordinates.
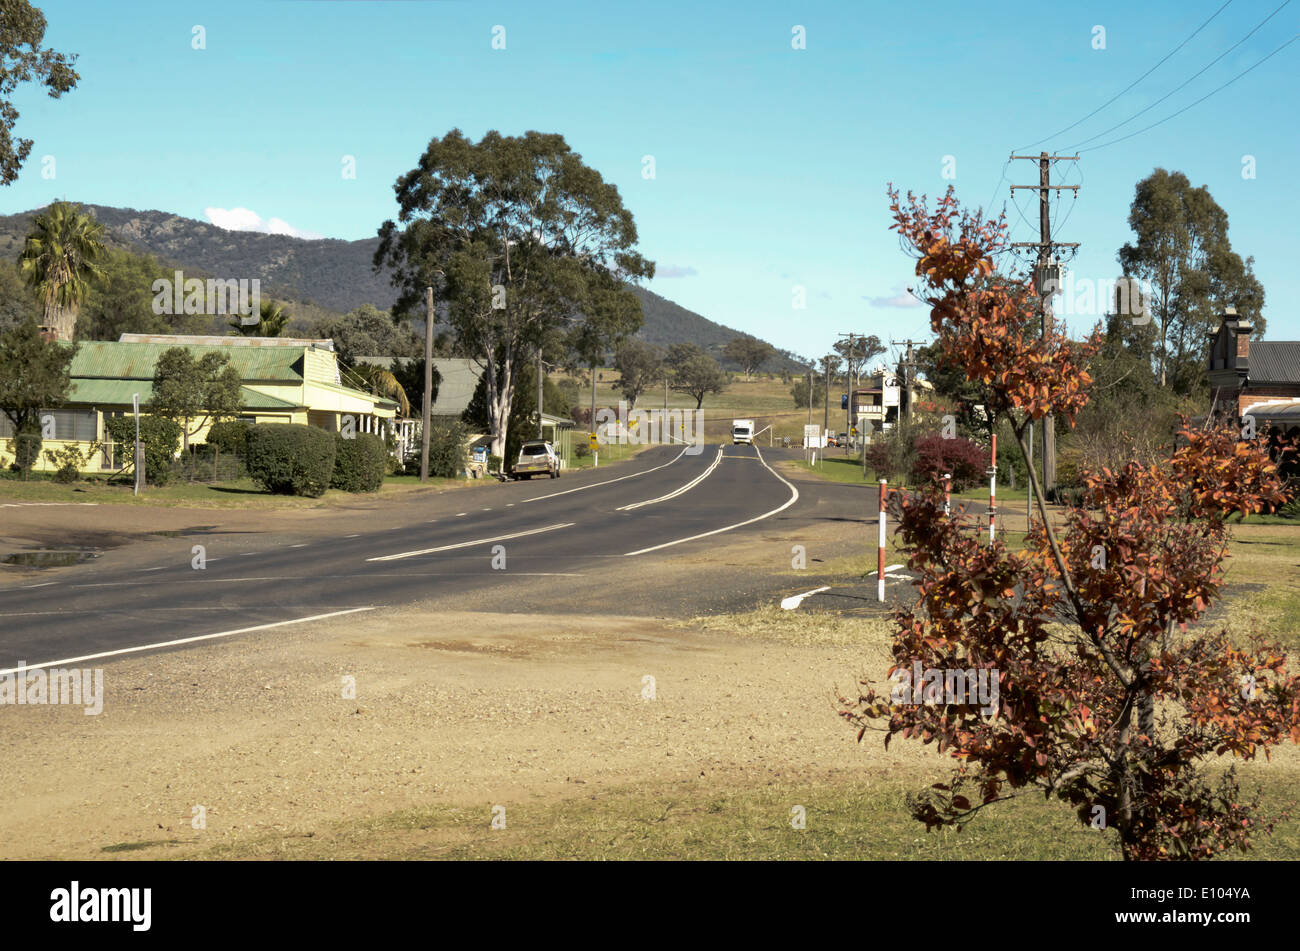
(1240, 343)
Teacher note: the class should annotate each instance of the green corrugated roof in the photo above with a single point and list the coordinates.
(118, 393)
(111, 360)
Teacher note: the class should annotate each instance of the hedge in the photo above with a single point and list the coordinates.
(230, 436)
(290, 459)
(161, 438)
(359, 463)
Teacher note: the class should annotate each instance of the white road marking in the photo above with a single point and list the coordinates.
(888, 569)
(20, 505)
(459, 514)
(159, 568)
(676, 492)
(352, 536)
(611, 481)
(477, 541)
(794, 497)
(792, 602)
(179, 641)
(43, 584)
(303, 545)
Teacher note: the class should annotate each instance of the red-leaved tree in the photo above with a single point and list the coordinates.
(1109, 696)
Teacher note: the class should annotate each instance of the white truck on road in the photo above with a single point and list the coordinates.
(742, 430)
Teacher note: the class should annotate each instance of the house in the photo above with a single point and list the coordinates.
(1257, 378)
(284, 380)
(455, 381)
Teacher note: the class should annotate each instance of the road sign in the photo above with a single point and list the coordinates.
(891, 389)
(595, 442)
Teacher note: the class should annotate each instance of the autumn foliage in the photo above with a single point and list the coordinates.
(1112, 697)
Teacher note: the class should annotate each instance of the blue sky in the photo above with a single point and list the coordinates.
(770, 163)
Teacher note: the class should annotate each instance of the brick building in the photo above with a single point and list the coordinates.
(1259, 378)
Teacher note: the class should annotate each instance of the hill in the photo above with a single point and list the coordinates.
(329, 273)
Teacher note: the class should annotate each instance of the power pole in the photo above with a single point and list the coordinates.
(1046, 270)
(539, 391)
(428, 384)
(909, 371)
(826, 412)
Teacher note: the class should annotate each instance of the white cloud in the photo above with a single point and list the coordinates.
(244, 219)
(900, 298)
(675, 270)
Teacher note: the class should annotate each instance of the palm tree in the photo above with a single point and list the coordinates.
(380, 382)
(271, 323)
(58, 260)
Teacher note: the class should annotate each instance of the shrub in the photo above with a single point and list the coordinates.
(68, 460)
(161, 438)
(936, 456)
(892, 454)
(447, 451)
(290, 459)
(26, 447)
(230, 436)
(359, 463)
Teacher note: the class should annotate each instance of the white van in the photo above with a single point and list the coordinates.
(742, 431)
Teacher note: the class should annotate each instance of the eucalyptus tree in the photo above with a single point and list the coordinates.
(22, 60)
(520, 240)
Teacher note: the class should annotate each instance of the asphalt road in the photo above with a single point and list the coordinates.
(664, 502)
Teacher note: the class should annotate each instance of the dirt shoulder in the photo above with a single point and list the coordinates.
(449, 708)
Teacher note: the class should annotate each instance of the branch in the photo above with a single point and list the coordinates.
(1125, 676)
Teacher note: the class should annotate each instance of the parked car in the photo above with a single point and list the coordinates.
(536, 457)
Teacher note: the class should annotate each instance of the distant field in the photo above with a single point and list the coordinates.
(765, 400)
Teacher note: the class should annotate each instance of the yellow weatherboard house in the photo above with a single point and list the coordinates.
(284, 380)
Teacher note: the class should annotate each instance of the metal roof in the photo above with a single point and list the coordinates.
(110, 360)
(458, 379)
(227, 340)
(93, 392)
(1274, 361)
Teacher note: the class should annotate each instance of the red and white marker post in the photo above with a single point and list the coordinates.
(947, 493)
(880, 555)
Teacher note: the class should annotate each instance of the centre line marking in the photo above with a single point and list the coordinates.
(678, 491)
(179, 641)
(794, 497)
(594, 485)
(477, 541)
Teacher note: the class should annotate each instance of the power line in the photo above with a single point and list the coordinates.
(1186, 82)
(1133, 83)
(1212, 92)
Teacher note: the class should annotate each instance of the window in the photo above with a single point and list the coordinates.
(69, 424)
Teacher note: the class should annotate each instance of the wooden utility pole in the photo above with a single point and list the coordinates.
(539, 391)
(909, 372)
(426, 415)
(1046, 271)
(826, 412)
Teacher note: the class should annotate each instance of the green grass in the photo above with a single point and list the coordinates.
(240, 493)
(848, 819)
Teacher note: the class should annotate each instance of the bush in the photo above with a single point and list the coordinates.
(290, 459)
(447, 450)
(26, 447)
(359, 463)
(230, 436)
(69, 461)
(892, 454)
(936, 456)
(161, 438)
